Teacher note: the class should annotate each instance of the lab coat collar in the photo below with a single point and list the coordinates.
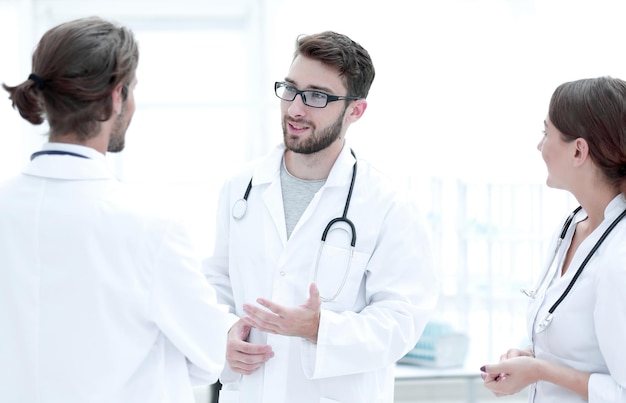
(611, 211)
(76, 148)
(345, 162)
(270, 167)
(69, 167)
(615, 206)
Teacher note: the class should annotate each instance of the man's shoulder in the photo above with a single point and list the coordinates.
(258, 166)
(144, 204)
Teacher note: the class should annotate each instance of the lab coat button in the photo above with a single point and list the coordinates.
(282, 273)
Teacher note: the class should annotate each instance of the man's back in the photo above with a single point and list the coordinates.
(100, 300)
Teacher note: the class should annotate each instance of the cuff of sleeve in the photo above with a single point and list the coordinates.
(602, 389)
(308, 351)
(229, 376)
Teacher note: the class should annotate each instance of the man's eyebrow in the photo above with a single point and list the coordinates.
(311, 88)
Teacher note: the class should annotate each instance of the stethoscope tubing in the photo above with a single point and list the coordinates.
(344, 216)
(548, 319)
(56, 152)
(584, 263)
(240, 208)
(559, 241)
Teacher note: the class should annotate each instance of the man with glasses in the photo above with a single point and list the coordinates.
(327, 265)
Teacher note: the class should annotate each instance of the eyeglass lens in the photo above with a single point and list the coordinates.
(311, 98)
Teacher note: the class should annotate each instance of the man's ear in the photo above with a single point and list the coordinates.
(118, 99)
(356, 110)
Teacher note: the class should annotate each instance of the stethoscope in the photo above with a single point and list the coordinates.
(533, 293)
(241, 206)
(56, 152)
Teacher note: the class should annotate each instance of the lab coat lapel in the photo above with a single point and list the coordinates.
(273, 200)
(340, 175)
(268, 172)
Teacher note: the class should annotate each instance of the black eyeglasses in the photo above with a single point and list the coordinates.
(314, 99)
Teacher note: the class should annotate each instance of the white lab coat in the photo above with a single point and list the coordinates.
(588, 329)
(378, 316)
(101, 300)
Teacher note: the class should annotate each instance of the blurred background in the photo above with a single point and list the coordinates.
(455, 114)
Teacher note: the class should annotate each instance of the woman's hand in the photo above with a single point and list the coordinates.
(515, 371)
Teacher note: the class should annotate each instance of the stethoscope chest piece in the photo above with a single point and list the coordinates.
(241, 205)
(239, 209)
(544, 323)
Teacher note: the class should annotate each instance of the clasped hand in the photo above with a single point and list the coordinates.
(514, 372)
(301, 321)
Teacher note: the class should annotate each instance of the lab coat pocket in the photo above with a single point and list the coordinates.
(339, 274)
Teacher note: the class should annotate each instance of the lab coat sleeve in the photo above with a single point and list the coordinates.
(183, 305)
(610, 323)
(401, 293)
(216, 267)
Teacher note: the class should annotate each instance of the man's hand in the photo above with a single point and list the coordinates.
(301, 321)
(243, 357)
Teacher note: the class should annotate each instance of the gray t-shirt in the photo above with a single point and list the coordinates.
(297, 194)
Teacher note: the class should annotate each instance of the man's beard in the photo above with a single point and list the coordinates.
(118, 134)
(317, 141)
